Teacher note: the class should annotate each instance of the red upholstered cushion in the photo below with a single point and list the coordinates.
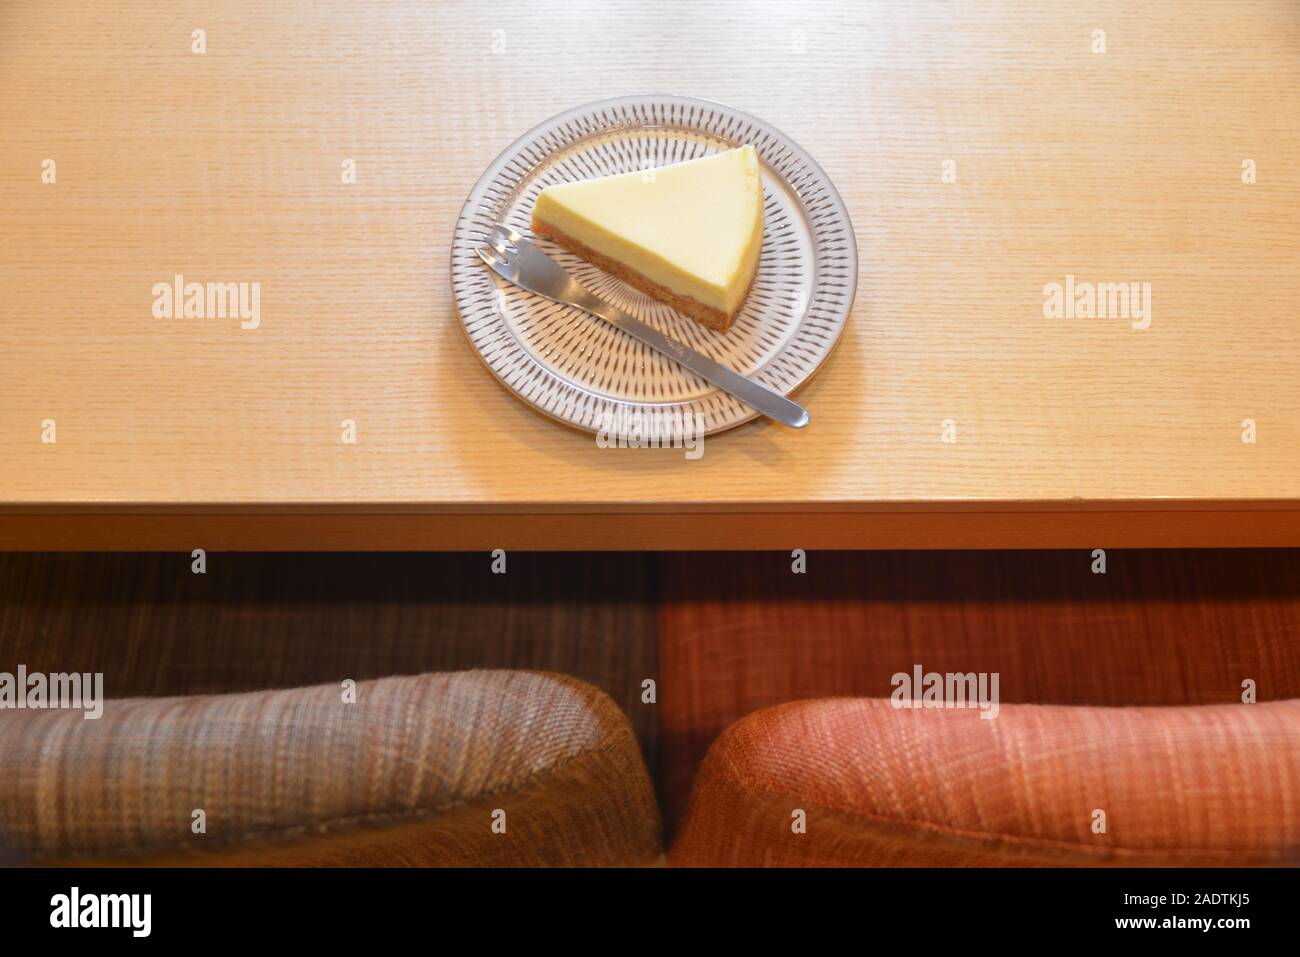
(741, 632)
(878, 786)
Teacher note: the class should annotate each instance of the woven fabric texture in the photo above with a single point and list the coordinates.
(1159, 628)
(258, 621)
(411, 773)
(1209, 785)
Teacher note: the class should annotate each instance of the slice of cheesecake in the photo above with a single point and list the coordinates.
(688, 234)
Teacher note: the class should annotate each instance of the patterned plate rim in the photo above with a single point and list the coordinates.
(540, 142)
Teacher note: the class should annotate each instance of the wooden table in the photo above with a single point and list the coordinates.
(1116, 166)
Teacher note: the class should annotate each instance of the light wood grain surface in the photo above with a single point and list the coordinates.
(1122, 166)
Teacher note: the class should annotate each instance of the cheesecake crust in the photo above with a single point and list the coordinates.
(704, 315)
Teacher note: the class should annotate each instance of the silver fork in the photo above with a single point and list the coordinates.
(516, 259)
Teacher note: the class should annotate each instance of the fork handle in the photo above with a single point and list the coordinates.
(770, 403)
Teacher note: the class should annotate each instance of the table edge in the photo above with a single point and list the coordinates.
(1273, 523)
